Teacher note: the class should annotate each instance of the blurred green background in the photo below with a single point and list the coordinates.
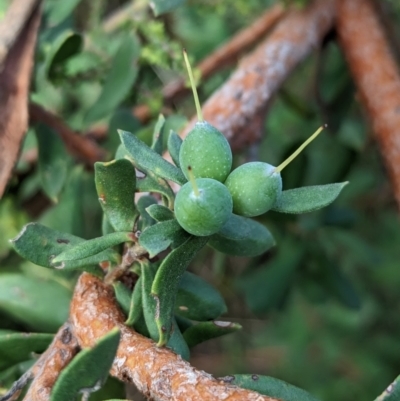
(321, 310)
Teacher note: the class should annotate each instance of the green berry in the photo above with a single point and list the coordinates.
(207, 151)
(254, 188)
(203, 210)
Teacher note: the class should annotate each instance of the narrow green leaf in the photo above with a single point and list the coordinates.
(53, 161)
(19, 347)
(66, 45)
(106, 227)
(88, 371)
(152, 183)
(146, 159)
(149, 303)
(160, 236)
(174, 146)
(177, 342)
(93, 246)
(119, 80)
(241, 236)
(145, 219)
(123, 296)
(198, 300)
(158, 135)
(183, 323)
(163, 6)
(116, 186)
(270, 386)
(39, 244)
(166, 283)
(135, 305)
(204, 331)
(392, 392)
(42, 305)
(160, 213)
(308, 199)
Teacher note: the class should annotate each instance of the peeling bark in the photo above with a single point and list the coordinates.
(158, 373)
(376, 76)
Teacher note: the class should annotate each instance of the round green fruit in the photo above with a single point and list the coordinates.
(204, 210)
(254, 187)
(207, 151)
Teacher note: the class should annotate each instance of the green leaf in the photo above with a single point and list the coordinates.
(93, 246)
(271, 387)
(58, 11)
(145, 219)
(158, 135)
(19, 347)
(88, 371)
(177, 342)
(53, 161)
(43, 305)
(39, 244)
(146, 159)
(166, 283)
(163, 6)
(392, 392)
(149, 303)
(116, 186)
(160, 236)
(307, 199)
(135, 305)
(66, 45)
(241, 236)
(119, 80)
(152, 183)
(123, 296)
(160, 213)
(198, 300)
(174, 146)
(204, 331)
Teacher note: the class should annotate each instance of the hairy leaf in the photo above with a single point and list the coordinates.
(241, 236)
(174, 146)
(116, 186)
(145, 219)
(166, 283)
(19, 347)
(158, 135)
(198, 300)
(307, 199)
(152, 183)
(204, 331)
(177, 342)
(135, 305)
(160, 213)
(123, 296)
(150, 308)
(146, 159)
(88, 371)
(270, 386)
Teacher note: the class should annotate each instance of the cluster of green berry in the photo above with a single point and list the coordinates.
(214, 192)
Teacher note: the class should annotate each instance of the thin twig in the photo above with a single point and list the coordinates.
(158, 373)
(81, 147)
(232, 107)
(376, 76)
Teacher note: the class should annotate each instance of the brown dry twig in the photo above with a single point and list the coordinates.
(14, 82)
(158, 373)
(233, 107)
(376, 76)
(81, 147)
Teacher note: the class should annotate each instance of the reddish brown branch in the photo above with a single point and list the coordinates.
(376, 75)
(48, 367)
(81, 147)
(157, 372)
(233, 107)
(14, 86)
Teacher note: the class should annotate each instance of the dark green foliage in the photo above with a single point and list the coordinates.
(116, 185)
(158, 135)
(174, 147)
(241, 236)
(270, 386)
(160, 213)
(88, 371)
(145, 219)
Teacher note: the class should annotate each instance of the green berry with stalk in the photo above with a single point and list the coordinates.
(202, 205)
(256, 186)
(205, 149)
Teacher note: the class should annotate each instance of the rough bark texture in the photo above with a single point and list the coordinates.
(47, 369)
(232, 107)
(14, 86)
(376, 76)
(157, 372)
